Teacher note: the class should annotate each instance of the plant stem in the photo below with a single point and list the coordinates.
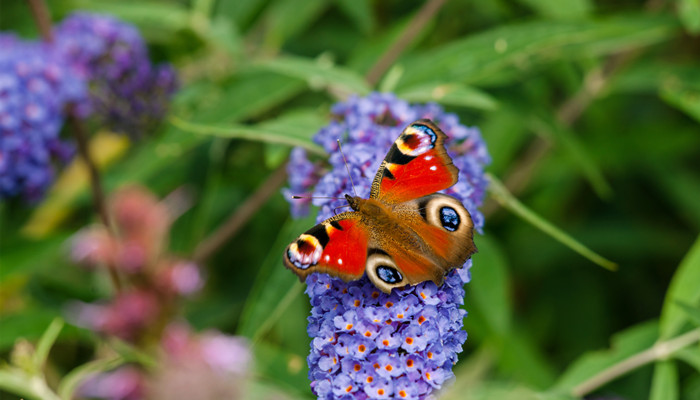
(240, 216)
(424, 15)
(660, 351)
(42, 18)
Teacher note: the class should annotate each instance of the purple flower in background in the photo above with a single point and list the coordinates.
(35, 86)
(127, 93)
(368, 344)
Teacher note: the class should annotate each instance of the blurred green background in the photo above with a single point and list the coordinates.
(590, 110)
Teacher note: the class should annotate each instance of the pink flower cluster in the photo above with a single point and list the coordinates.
(152, 279)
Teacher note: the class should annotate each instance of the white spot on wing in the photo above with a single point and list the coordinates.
(328, 258)
(433, 168)
(340, 261)
(428, 158)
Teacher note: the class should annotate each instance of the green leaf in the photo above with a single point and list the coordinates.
(360, 12)
(274, 287)
(558, 9)
(509, 202)
(578, 154)
(319, 73)
(284, 19)
(294, 129)
(450, 94)
(689, 13)
(693, 313)
(689, 355)
(664, 384)
(520, 47)
(158, 20)
(490, 287)
(73, 379)
(683, 288)
(624, 345)
(681, 95)
(46, 342)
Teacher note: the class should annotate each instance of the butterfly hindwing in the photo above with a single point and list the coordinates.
(416, 165)
(336, 246)
(445, 232)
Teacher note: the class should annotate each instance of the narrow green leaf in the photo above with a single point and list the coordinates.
(624, 345)
(683, 287)
(525, 46)
(664, 384)
(681, 95)
(158, 20)
(689, 13)
(284, 19)
(693, 313)
(491, 287)
(578, 154)
(558, 9)
(509, 202)
(274, 287)
(451, 94)
(319, 73)
(73, 379)
(278, 132)
(47, 340)
(360, 12)
(689, 355)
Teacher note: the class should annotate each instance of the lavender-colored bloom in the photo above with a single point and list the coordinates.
(402, 344)
(127, 93)
(35, 86)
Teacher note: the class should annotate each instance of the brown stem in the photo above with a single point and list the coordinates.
(425, 14)
(41, 15)
(238, 219)
(98, 196)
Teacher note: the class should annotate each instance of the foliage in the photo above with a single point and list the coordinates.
(590, 112)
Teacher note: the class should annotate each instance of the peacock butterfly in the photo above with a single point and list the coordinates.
(405, 233)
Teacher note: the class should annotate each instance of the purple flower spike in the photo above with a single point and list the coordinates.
(35, 87)
(368, 344)
(128, 94)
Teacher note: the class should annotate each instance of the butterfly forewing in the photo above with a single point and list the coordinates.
(416, 165)
(337, 246)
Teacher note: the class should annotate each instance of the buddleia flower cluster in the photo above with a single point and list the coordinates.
(35, 86)
(97, 65)
(367, 344)
(127, 93)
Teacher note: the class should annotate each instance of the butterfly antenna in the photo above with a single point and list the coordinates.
(316, 197)
(346, 167)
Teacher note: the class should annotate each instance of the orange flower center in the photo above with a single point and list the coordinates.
(357, 303)
(389, 304)
(385, 342)
(357, 367)
(362, 348)
(380, 392)
(348, 326)
(403, 393)
(409, 363)
(409, 340)
(348, 389)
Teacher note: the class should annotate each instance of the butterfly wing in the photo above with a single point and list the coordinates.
(416, 165)
(336, 246)
(445, 232)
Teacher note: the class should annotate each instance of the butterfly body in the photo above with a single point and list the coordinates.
(405, 233)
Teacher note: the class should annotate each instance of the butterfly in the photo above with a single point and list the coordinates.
(404, 233)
